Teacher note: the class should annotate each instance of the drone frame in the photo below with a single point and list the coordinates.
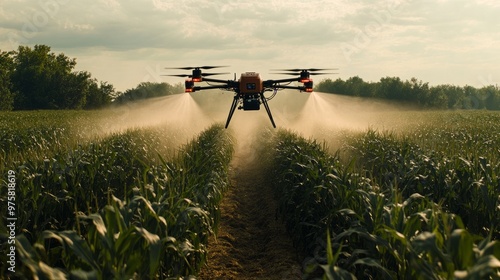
(249, 89)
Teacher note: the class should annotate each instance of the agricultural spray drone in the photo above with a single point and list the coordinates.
(249, 88)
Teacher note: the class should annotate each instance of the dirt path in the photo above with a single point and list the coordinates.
(251, 243)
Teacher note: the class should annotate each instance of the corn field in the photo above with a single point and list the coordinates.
(418, 203)
(125, 206)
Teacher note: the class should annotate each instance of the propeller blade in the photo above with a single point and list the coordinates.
(309, 70)
(298, 74)
(290, 74)
(179, 75)
(180, 68)
(311, 74)
(211, 67)
(190, 76)
(315, 73)
(320, 69)
(195, 67)
(211, 74)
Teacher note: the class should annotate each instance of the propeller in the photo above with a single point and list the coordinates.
(211, 74)
(189, 75)
(195, 67)
(298, 74)
(309, 70)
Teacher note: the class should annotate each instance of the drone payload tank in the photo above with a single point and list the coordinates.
(250, 86)
(250, 83)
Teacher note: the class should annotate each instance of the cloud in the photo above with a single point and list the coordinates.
(490, 3)
(158, 23)
(385, 36)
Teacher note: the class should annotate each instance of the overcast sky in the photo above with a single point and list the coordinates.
(127, 42)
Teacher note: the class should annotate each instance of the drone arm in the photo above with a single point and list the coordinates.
(301, 88)
(216, 80)
(229, 83)
(272, 83)
(275, 84)
(197, 88)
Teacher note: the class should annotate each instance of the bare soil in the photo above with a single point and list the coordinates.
(251, 243)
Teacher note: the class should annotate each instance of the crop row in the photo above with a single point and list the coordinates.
(118, 209)
(464, 184)
(41, 134)
(37, 135)
(392, 210)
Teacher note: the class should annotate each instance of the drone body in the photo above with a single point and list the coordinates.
(250, 87)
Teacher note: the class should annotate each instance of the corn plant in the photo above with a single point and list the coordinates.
(386, 209)
(467, 187)
(159, 229)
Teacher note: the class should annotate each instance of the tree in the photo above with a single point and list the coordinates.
(437, 97)
(45, 80)
(338, 86)
(390, 88)
(417, 92)
(491, 97)
(6, 93)
(469, 98)
(455, 96)
(99, 95)
(147, 90)
(355, 86)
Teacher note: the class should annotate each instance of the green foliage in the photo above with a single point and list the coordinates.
(161, 227)
(416, 92)
(421, 203)
(36, 78)
(6, 91)
(148, 90)
(126, 205)
(463, 183)
(39, 135)
(43, 80)
(99, 95)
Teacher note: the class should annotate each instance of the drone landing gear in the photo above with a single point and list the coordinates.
(264, 101)
(231, 111)
(236, 100)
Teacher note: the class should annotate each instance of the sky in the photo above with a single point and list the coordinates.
(128, 42)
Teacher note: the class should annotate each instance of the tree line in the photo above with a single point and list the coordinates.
(417, 92)
(148, 90)
(36, 78)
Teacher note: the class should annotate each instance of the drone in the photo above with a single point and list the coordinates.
(249, 89)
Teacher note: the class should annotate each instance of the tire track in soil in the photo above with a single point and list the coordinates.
(251, 243)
